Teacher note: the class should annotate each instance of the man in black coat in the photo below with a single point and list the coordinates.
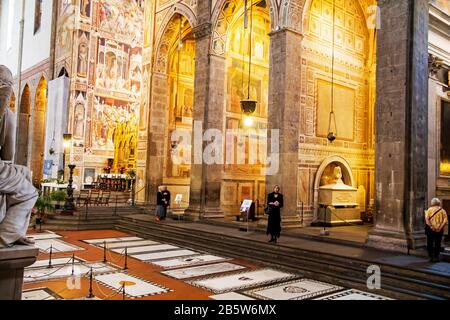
(165, 199)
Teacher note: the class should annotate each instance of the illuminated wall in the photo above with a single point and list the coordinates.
(100, 43)
(244, 181)
(181, 100)
(354, 95)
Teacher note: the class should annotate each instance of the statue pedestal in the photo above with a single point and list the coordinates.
(334, 217)
(12, 262)
(338, 205)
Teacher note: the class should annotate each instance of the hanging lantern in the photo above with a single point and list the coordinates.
(331, 137)
(332, 134)
(248, 107)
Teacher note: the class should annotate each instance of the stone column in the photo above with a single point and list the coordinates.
(284, 115)
(206, 179)
(156, 137)
(401, 126)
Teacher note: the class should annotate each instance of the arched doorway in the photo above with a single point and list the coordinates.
(23, 127)
(245, 78)
(174, 87)
(38, 140)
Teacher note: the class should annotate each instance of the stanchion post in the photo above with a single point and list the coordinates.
(302, 212)
(91, 278)
(123, 291)
(73, 264)
(104, 252)
(125, 267)
(325, 232)
(50, 258)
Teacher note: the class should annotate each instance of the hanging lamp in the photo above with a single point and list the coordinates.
(332, 134)
(248, 106)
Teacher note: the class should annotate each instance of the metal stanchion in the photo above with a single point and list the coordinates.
(50, 258)
(125, 267)
(302, 212)
(123, 291)
(325, 232)
(73, 264)
(104, 252)
(91, 278)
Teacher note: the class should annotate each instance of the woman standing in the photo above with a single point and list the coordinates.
(275, 203)
(435, 220)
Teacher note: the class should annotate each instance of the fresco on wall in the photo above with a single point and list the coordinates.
(109, 113)
(106, 71)
(123, 17)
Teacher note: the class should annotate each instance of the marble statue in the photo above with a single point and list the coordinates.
(17, 194)
(338, 175)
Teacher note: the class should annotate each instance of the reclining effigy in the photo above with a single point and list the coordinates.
(17, 193)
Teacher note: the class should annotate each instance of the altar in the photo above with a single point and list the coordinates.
(114, 182)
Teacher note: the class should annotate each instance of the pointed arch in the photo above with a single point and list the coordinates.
(167, 37)
(294, 14)
(23, 126)
(38, 131)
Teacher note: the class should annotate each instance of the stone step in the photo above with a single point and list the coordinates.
(287, 232)
(397, 282)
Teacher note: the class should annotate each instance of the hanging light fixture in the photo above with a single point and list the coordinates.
(332, 134)
(248, 106)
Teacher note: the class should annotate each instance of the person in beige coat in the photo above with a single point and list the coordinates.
(17, 194)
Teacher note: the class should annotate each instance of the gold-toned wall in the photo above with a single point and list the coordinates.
(352, 74)
(101, 43)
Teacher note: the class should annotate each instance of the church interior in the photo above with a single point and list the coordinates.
(359, 106)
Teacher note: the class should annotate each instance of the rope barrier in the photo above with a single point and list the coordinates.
(343, 220)
(53, 271)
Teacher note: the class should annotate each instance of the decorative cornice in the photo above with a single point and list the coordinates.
(202, 30)
(285, 29)
(434, 64)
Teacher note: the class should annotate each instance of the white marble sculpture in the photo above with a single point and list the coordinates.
(17, 194)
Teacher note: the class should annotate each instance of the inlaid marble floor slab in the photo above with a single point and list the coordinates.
(188, 261)
(57, 246)
(134, 286)
(117, 239)
(293, 290)
(143, 249)
(163, 255)
(39, 294)
(42, 236)
(230, 296)
(199, 271)
(353, 294)
(44, 273)
(242, 280)
(124, 244)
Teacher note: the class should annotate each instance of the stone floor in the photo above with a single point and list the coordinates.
(159, 271)
(291, 239)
